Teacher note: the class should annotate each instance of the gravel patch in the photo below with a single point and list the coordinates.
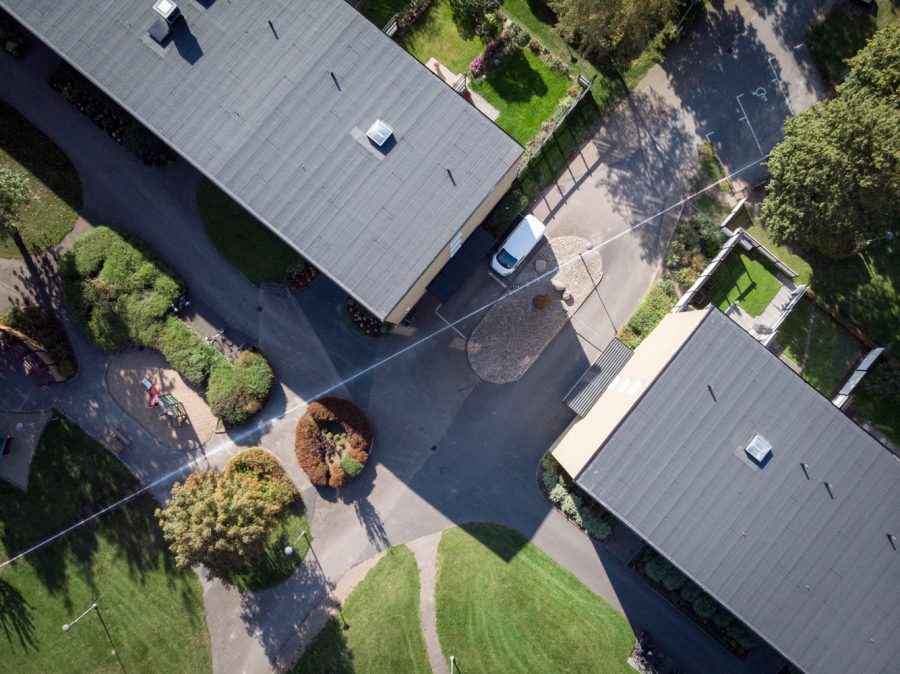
(513, 333)
(123, 379)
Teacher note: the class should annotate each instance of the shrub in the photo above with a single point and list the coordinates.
(690, 591)
(519, 35)
(332, 441)
(237, 392)
(572, 504)
(704, 606)
(261, 465)
(222, 519)
(121, 295)
(656, 304)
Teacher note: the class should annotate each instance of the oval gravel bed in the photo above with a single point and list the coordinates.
(513, 333)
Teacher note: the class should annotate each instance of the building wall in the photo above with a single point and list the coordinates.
(418, 289)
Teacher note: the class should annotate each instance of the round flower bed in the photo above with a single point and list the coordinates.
(363, 320)
(333, 441)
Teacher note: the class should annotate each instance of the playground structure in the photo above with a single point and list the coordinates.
(169, 406)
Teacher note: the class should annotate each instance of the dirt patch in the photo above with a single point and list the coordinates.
(515, 331)
(123, 378)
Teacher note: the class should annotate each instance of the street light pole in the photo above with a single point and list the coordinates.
(94, 607)
(289, 550)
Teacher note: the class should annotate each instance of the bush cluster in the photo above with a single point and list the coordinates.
(121, 295)
(332, 442)
(238, 391)
(656, 304)
(109, 116)
(695, 243)
(571, 501)
(46, 331)
(690, 595)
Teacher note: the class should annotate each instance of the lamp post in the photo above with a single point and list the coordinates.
(289, 550)
(94, 607)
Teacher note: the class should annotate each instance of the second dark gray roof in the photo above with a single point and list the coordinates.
(815, 576)
(255, 108)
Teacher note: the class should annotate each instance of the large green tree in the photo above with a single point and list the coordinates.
(222, 519)
(614, 31)
(835, 178)
(13, 195)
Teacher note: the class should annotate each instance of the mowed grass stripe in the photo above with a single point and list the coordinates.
(385, 630)
(505, 606)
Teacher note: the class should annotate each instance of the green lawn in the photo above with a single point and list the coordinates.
(505, 606)
(154, 613)
(380, 11)
(525, 91)
(743, 280)
(273, 566)
(883, 412)
(832, 350)
(244, 241)
(385, 631)
(437, 35)
(845, 31)
(53, 184)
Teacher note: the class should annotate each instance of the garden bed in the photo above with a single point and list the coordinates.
(109, 116)
(363, 321)
(658, 302)
(121, 295)
(695, 603)
(573, 502)
(333, 442)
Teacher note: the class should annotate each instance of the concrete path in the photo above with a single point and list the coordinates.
(425, 550)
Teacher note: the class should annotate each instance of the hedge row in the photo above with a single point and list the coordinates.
(572, 502)
(654, 307)
(316, 442)
(121, 295)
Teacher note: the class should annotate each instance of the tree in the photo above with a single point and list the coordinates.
(222, 519)
(614, 31)
(13, 195)
(835, 178)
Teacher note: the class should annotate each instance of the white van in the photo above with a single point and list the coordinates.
(518, 244)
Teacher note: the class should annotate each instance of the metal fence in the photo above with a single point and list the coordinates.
(547, 134)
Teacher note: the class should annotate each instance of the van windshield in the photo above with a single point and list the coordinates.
(506, 260)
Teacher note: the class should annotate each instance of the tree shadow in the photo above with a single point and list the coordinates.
(515, 81)
(22, 141)
(15, 617)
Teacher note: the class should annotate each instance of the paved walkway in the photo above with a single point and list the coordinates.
(425, 550)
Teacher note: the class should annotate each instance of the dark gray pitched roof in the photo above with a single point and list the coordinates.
(587, 390)
(815, 576)
(262, 116)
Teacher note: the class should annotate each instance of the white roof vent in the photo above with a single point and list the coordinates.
(378, 133)
(168, 10)
(759, 449)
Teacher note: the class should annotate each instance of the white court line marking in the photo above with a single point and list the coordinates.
(780, 82)
(708, 135)
(747, 119)
(497, 279)
(449, 324)
(233, 441)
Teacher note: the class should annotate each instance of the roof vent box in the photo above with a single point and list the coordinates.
(759, 449)
(379, 133)
(168, 10)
